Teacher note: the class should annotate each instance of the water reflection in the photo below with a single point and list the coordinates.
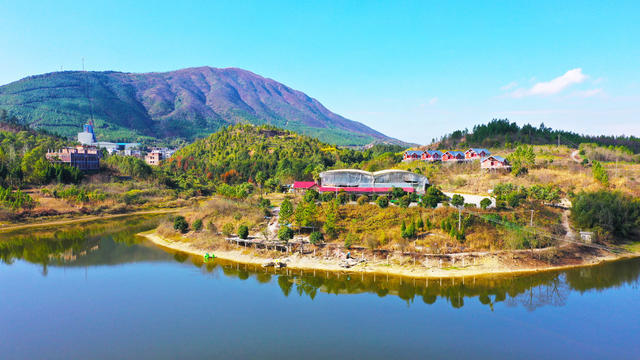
(115, 242)
(530, 291)
(107, 242)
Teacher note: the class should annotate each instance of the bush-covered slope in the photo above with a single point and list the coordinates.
(237, 154)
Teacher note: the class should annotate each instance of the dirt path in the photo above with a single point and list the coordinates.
(4, 228)
(575, 156)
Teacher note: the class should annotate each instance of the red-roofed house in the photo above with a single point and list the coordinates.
(302, 186)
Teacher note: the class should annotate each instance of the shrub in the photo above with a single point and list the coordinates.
(311, 195)
(349, 240)
(600, 173)
(485, 203)
(211, 226)
(404, 201)
(316, 237)
(343, 197)
(243, 231)
(383, 201)
(457, 200)
(420, 223)
(197, 225)
(285, 233)
(614, 212)
(227, 229)
(363, 199)
(327, 196)
(397, 193)
(180, 224)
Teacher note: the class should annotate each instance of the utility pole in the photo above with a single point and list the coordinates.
(531, 222)
(459, 219)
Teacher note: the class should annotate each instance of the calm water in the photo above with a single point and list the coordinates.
(96, 291)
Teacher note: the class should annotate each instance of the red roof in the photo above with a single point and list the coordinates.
(362, 189)
(303, 184)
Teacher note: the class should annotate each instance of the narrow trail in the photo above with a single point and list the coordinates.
(85, 219)
(575, 156)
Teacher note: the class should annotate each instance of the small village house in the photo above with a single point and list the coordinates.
(453, 156)
(495, 162)
(476, 154)
(154, 158)
(302, 186)
(81, 157)
(432, 155)
(412, 155)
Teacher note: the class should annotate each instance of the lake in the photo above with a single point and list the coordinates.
(97, 291)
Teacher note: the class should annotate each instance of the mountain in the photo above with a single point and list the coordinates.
(185, 104)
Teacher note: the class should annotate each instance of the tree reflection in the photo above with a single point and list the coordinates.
(528, 291)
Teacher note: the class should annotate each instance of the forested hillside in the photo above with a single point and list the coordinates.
(260, 155)
(502, 132)
(183, 104)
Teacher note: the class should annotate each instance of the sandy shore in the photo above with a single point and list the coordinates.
(491, 264)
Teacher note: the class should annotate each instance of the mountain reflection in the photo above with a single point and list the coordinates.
(115, 242)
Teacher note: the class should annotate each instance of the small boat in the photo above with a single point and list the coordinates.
(208, 257)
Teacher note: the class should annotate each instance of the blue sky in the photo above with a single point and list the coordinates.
(413, 70)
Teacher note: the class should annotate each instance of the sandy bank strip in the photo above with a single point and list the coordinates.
(86, 218)
(489, 265)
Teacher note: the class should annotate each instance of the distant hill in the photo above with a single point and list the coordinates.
(501, 132)
(184, 104)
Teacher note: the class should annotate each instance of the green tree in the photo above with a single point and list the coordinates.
(521, 159)
(457, 200)
(485, 203)
(285, 233)
(331, 219)
(286, 211)
(197, 225)
(420, 223)
(243, 231)
(260, 180)
(306, 213)
(612, 211)
(600, 173)
(180, 224)
(383, 201)
(316, 237)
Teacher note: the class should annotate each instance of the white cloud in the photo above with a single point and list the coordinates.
(429, 102)
(587, 93)
(554, 86)
(509, 86)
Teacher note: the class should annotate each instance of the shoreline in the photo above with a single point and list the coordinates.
(489, 265)
(85, 219)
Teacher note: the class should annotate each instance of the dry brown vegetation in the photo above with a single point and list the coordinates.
(373, 227)
(553, 166)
